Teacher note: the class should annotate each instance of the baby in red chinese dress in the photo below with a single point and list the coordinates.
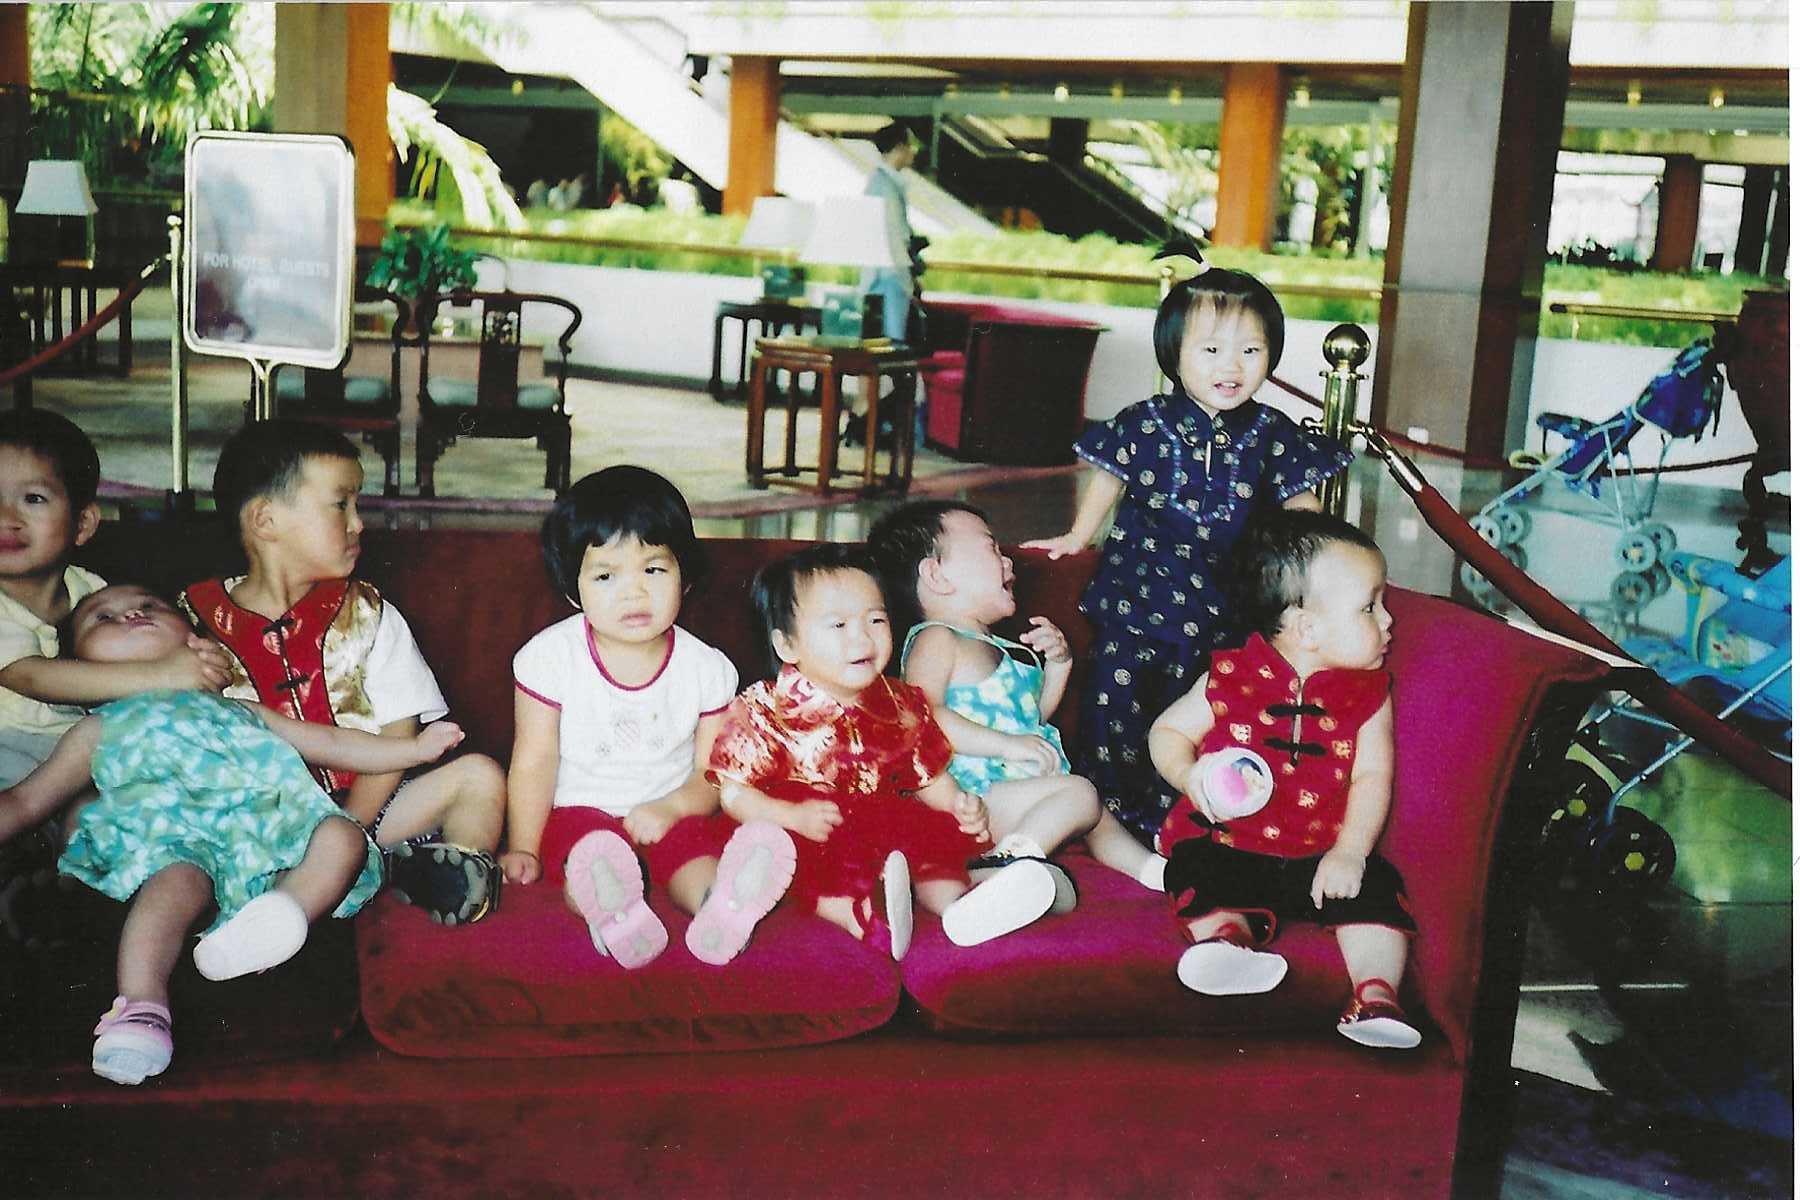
(1305, 703)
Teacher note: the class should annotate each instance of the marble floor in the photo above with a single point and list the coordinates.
(1654, 1054)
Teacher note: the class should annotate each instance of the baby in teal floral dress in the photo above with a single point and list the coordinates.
(203, 801)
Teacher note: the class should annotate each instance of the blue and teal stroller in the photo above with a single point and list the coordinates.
(1682, 402)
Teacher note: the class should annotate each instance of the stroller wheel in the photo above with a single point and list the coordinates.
(1663, 536)
(1514, 524)
(1631, 590)
(1631, 852)
(1635, 550)
(1487, 527)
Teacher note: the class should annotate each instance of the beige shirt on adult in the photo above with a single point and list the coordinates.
(22, 635)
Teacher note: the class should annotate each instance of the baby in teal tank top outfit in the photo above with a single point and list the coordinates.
(1007, 702)
(948, 582)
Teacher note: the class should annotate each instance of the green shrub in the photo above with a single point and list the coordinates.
(1096, 252)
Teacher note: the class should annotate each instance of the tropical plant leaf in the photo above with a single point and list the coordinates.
(458, 173)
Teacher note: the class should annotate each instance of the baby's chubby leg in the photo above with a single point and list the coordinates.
(272, 928)
(134, 1040)
(66, 774)
(1047, 810)
(1113, 846)
(1375, 957)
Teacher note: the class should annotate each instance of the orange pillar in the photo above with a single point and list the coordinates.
(1250, 154)
(755, 115)
(15, 46)
(1677, 214)
(332, 70)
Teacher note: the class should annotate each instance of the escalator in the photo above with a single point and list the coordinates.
(979, 165)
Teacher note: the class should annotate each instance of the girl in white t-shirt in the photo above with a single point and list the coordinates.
(615, 712)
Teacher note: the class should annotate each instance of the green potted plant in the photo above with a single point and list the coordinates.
(418, 261)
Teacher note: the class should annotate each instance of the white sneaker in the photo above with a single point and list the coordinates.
(1011, 898)
(1226, 969)
(896, 892)
(264, 933)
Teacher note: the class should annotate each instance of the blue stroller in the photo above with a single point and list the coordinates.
(1680, 403)
(1738, 642)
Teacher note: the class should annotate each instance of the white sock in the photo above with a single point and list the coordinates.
(1020, 846)
(1151, 873)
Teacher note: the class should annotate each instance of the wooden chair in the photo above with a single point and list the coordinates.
(368, 405)
(496, 403)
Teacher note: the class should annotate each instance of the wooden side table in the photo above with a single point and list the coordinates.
(831, 363)
(773, 317)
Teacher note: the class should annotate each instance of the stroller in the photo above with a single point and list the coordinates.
(1680, 403)
(1737, 643)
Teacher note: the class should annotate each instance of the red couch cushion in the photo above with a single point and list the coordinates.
(527, 983)
(1109, 967)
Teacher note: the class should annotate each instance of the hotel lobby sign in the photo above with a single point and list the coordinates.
(269, 243)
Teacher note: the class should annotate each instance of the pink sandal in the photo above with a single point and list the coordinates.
(754, 873)
(608, 887)
(1380, 1022)
(133, 1041)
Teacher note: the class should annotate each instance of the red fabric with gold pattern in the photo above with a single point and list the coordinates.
(792, 741)
(284, 658)
(1306, 732)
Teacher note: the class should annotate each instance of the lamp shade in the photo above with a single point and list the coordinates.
(777, 223)
(56, 187)
(850, 231)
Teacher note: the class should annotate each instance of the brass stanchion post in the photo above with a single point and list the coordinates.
(1346, 348)
(178, 389)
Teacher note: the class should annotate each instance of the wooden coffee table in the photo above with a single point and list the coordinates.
(831, 362)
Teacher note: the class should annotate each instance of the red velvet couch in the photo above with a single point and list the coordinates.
(1005, 384)
(507, 1059)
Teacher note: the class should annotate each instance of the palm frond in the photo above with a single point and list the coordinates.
(457, 171)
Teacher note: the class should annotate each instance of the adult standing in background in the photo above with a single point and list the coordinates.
(893, 284)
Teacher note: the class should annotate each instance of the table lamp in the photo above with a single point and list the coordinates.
(59, 188)
(850, 231)
(779, 225)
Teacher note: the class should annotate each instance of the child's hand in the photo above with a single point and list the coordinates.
(1195, 787)
(1339, 877)
(1056, 547)
(648, 822)
(200, 665)
(814, 819)
(521, 866)
(436, 738)
(1047, 640)
(971, 815)
(1034, 752)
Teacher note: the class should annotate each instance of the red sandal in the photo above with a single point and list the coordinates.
(1380, 1022)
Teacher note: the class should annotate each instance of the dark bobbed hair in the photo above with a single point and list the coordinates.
(891, 135)
(902, 539)
(775, 589)
(267, 458)
(1220, 292)
(1272, 557)
(60, 442)
(621, 501)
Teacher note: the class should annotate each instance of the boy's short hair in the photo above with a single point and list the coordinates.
(267, 458)
(1273, 556)
(891, 135)
(902, 539)
(1221, 292)
(621, 501)
(775, 589)
(61, 443)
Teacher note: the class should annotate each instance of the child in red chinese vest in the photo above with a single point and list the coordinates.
(1284, 753)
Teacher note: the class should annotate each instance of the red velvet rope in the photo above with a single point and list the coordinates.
(58, 349)
(1646, 685)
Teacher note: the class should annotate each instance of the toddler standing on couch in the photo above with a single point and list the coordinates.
(853, 762)
(1284, 751)
(615, 710)
(1186, 469)
(314, 644)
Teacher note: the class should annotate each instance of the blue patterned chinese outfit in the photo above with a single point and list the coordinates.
(1157, 601)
